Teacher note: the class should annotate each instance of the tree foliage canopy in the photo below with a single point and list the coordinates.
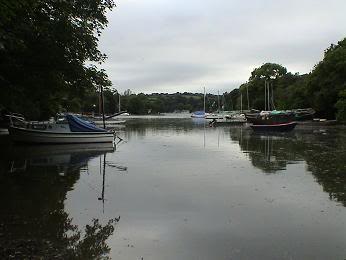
(268, 71)
(44, 46)
(328, 80)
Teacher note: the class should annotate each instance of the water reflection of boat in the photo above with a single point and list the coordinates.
(67, 129)
(34, 220)
(66, 155)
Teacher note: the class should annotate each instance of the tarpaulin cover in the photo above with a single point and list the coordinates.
(199, 113)
(78, 125)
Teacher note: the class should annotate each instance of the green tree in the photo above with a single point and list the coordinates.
(341, 107)
(136, 104)
(110, 100)
(268, 71)
(44, 49)
(327, 80)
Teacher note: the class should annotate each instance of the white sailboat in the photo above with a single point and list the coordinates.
(200, 114)
(66, 129)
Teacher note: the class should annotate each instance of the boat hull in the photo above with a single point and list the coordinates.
(214, 116)
(274, 128)
(46, 137)
(197, 116)
(271, 119)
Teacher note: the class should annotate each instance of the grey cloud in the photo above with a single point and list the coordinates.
(160, 75)
(169, 46)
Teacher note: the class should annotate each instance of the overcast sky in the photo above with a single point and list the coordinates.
(184, 45)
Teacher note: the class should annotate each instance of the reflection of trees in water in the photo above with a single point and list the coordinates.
(269, 153)
(33, 221)
(141, 127)
(323, 151)
(326, 159)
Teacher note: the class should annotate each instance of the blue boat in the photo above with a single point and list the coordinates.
(199, 114)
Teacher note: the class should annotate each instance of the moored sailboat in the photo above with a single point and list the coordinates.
(271, 120)
(66, 129)
(200, 114)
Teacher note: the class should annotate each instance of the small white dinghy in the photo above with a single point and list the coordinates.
(67, 129)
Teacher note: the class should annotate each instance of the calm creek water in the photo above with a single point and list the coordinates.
(183, 190)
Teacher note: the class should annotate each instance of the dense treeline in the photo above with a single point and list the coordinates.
(324, 89)
(154, 103)
(46, 46)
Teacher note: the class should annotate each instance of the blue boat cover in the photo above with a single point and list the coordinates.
(199, 113)
(79, 125)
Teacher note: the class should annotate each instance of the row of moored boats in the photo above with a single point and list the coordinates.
(70, 128)
(275, 120)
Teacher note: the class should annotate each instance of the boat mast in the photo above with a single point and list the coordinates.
(265, 95)
(273, 106)
(102, 198)
(241, 102)
(247, 94)
(204, 101)
(119, 102)
(223, 102)
(268, 93)
(218, 102)
(102, 107)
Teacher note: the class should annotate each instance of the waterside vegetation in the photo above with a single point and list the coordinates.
(323, 89)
